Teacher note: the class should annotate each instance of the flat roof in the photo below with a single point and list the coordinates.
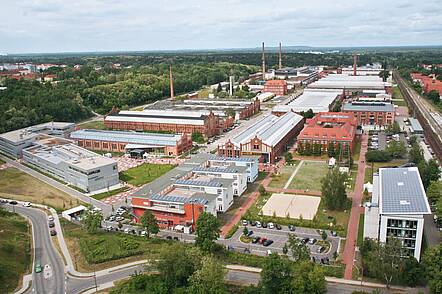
(127, 137)
(402, 192)
(217, 169)
(270, 129)
(415, 125)
(344, 81)
(33, 131)
(368, 106)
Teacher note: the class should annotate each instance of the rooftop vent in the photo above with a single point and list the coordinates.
(400, 183)
(404, 202)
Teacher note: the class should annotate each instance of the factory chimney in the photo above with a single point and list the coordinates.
(171, 82)
(280, 56)
(263, 63)
(355, 63)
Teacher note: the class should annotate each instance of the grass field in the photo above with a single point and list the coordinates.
(144, 173)
(15, 250)
(376, 165)
(96, 124)
(309, 176)
(102, 249)
(110, 193)
(361, 230)
(1, 162)
(21, 186)
(279, 181)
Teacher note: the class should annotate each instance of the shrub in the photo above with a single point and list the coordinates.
(378, 156)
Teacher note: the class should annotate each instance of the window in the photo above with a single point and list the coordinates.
(255, 147)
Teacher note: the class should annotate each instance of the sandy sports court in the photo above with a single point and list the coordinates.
(293, 205)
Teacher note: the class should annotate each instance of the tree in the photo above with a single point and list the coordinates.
(209, 278)
(434, 191)
(149, 223)
(433, 95)
(176, 264)
(397, 149)
(298, 249)
(198, 137)
(276, 275)
(207, 231)
(308, 278)
(396, 128)
(415, 155)
(324, 235)
(432, 261)
(245, 231)
(92, 220)
(429, 171)
(288, 157)
(333, 190)
(331, 149)
(377, 156)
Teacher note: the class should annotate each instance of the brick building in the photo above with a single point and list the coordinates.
(428, 83)
(337, 128)
(166, 121)
(120, 141)
(277, 87)
(371, 113)
(267, 138)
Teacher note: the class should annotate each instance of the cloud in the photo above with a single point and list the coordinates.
(84, 25)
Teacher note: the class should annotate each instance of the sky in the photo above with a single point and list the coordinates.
(46, 26)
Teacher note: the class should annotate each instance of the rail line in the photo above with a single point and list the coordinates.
(422, 110)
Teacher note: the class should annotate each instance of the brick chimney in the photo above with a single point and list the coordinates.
(171, 82)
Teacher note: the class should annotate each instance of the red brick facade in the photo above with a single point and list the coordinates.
(277, 87)
(373, 118)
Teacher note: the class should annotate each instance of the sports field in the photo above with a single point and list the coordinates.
(309, 176)
(292, 206)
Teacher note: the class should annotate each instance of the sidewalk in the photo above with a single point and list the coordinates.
(353, 224)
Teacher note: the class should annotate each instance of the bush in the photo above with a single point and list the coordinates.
(377, 156)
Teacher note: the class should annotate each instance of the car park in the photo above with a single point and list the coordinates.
(53, 232)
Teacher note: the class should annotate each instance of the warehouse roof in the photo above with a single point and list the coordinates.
(270, 129)
(32, 131)
(344, 81)
(368, 106)
(318, 101)
(159, 116)
(402, 192)
(128, 137)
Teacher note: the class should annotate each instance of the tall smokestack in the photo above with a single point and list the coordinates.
(171, 82)
(263, 63)
(280, 56)
(355, 63)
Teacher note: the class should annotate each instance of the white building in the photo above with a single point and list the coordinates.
(236, 173)
(316, 100)
(251, 164)
(397, 208)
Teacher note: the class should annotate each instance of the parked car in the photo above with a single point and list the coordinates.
(176, 238)
(53, 232)
(256, 239)
(312, 241)
(51, 224)
(38, 267)
(119, 218)
(271, 226)
(126, 230)
(112, 218)
(278, 226)
(249, 233)
(258, 224)
(26, 204)
(169, 237)
(267, 242)
(269, 252)
(143, 233)
(320, 249)
(262, 240)
(13, 202)
(253, 223)
(50, 218)
(333, 233)
(292, 228)
(245, 222)
(305, 240)
(264, 224)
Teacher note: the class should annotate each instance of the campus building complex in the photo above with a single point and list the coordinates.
(72, 164)
(13, 142)
(371, 113)
(166, 121)
(397, 208)
(205, 183)
(267, 138)
(326, 128)
(133, 142)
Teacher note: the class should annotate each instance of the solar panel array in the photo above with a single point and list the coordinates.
(211, 183)
(217, 169)
(402, 191)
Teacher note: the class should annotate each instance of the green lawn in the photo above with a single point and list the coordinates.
(279, 181)
(309, 176)
(15, 250)
(397, 93)
(144, 173)
(96, 125)
(110, 193)
(376, 165)
(361, 230)
(357, 150)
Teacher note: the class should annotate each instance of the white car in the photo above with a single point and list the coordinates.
(26, 204)
(126, 230)
(258, 224)
(50, 218)
(143, 233)
(271, 226)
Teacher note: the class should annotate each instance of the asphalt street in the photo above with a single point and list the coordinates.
(52, 279)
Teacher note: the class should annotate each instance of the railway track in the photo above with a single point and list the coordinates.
(422, 110)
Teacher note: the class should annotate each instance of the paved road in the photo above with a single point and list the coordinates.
(106, 208)
(52, 279)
